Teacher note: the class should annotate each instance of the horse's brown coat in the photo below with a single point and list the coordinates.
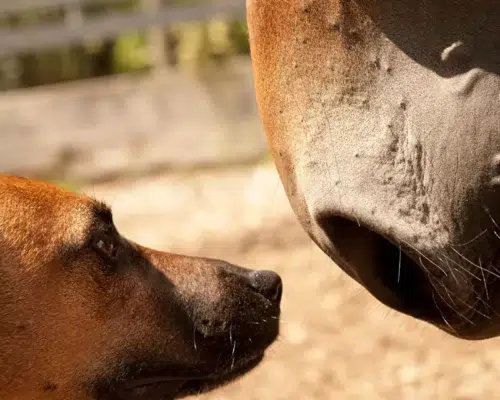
(382, 117)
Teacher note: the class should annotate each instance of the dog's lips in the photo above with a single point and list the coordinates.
(201, 386)
(179, 387)
(224, 363)
(222, 360)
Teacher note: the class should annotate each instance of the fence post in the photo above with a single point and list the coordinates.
(74, 20)
(155, 36)
(73, 16)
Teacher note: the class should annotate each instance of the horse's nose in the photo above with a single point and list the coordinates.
(268, 284)
(389, 271)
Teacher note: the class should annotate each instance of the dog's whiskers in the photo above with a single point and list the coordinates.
(194, 340)
(232, 355)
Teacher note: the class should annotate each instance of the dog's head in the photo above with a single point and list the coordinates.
(88, 314)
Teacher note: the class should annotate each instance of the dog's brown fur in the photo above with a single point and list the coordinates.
(87, 314)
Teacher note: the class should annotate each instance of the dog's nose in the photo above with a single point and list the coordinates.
(268, 284)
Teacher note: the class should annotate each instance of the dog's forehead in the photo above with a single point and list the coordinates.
(43, 214)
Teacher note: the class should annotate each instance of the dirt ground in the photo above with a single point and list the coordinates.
(337, 342)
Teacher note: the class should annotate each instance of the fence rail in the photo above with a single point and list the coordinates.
(14, 41)
(11, 6)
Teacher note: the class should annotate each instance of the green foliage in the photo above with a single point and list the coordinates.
(69, 186)
(202, 43)
(130, 53)
(238, 36)
(191, 46)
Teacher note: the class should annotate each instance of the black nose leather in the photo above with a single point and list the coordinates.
(268, 284)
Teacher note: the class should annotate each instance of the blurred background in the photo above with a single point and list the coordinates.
(149, 105)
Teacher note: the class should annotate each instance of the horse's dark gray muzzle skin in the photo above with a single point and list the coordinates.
(383, 117)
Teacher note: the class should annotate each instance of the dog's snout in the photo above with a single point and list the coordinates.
(268, 284)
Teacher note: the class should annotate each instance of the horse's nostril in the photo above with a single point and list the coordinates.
(382, 267)
(268, 284)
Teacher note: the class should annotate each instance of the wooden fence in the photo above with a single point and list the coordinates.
(77, 27)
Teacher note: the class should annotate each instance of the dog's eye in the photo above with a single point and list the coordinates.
(105, 245)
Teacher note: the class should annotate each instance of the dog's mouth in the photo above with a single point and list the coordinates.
(155, 384)
(204, 385)
(219, 360)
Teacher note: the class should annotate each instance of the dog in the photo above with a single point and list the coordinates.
(88, 314)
